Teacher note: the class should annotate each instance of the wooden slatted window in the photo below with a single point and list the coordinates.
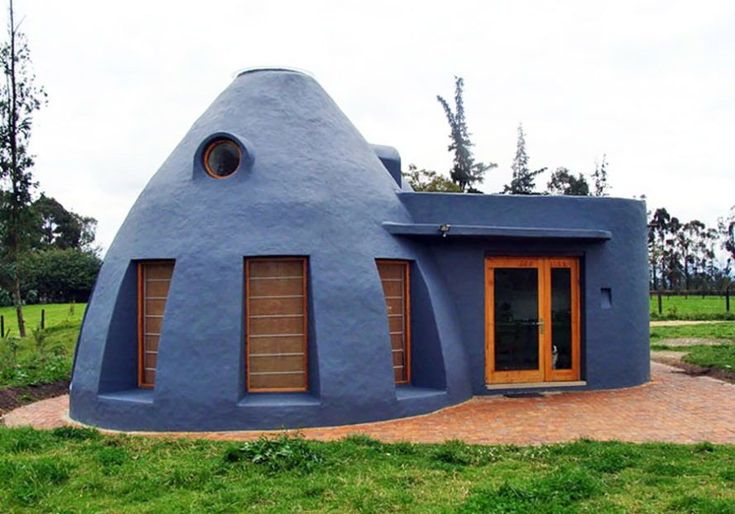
(154, 279)
(394, 275)
(276, 324)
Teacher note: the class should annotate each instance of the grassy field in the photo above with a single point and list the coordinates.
(45, 357)
(56, 313)
(72, 470)
(724, 331)
(692, 307)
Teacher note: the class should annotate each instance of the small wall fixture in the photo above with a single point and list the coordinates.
(444, 228)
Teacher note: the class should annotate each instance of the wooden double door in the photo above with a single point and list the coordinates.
(532, 313)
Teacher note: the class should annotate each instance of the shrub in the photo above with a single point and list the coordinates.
(57, 276)
(283, 453)
(454, 452)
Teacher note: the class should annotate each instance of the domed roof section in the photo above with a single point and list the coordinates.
(295, 132)
(303, 162)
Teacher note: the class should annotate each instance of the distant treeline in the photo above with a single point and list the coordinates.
(61, 264)
(688, 255)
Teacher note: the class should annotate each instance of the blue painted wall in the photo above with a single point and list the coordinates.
(312, 186)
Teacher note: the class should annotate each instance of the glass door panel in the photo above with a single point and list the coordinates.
(516, 319)
(563, 312)
(514, 331)
(561, 318)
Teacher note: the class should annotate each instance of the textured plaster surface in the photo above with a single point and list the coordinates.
(310, 185)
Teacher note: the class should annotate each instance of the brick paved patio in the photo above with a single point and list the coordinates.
(674, 407)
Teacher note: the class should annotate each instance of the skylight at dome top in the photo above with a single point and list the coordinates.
(253, 69)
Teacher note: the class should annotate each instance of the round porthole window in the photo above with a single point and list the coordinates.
(222, 158)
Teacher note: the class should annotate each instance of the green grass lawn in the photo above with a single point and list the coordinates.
(720, 356)
(34, 363)
(692, 307)
(73, 470)
(724, 330)
(56, 313)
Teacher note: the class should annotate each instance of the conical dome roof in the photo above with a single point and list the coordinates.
(307, 184)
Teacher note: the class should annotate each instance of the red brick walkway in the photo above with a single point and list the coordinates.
(674, 408)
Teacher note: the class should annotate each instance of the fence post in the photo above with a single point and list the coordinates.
(660, 303)
(727, 299)
(43, 319)
(2, 326)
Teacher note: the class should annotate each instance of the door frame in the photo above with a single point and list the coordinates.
(545, 372)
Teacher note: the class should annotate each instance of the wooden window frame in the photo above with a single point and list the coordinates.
(545, 373)
(305, 270)
(211, 147)
(406, 264)
(140, 265)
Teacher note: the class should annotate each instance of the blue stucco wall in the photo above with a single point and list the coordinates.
(312, 186)
(615, 350)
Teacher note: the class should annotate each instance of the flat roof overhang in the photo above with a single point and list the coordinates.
(493, 231)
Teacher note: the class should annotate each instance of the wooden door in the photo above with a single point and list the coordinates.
(394, 277)
(276, 324)
(154, 279)
(532, 319)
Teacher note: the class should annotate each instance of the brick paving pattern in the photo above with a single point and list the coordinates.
(674, 407)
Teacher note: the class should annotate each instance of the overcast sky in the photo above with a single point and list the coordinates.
(650, 84)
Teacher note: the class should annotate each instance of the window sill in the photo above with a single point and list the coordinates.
(279, 400)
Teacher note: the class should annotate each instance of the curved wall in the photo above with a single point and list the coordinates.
(312, 186)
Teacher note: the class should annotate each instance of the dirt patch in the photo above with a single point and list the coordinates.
(15, 397)
(690, 341)
(675, 359)
(669, 357)
(681, 322)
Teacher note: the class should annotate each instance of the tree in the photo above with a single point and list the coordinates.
(682, 255)
(563, 182)
(523, 181)
(599, 178)
(427, 180)
(465, 171)
(58, 228)
(55, 275)
(19, 99)
(726, 228)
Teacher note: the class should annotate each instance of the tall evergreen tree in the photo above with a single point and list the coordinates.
(19, 99)
(524, 180)
(599, 178)
(465, 172)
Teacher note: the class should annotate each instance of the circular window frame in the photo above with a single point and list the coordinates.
(211, 146)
